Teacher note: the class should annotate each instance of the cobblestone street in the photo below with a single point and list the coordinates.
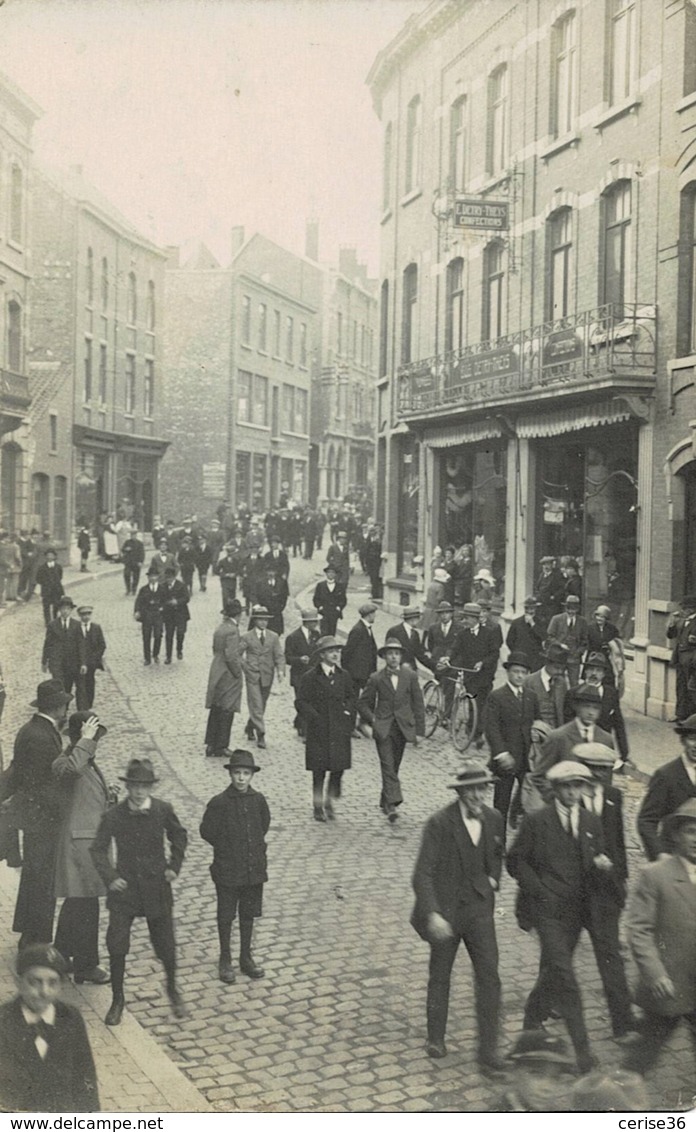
(338, 1023)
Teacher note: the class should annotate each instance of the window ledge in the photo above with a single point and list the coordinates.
(304, 368)
(411, 195)
(629, 106)
(148, 420)
(685, 102)
(246, 346)
(559, 144)
(298, 435)
(264, 353)
(251, 424)
(18, 247)
(129, 416)
(289, 363)
(686, 361)
(386, 215)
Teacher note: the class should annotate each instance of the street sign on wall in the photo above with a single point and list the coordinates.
(471, 212)
(214, 481)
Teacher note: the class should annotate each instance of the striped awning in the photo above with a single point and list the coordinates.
(558, 421)
(463, 434)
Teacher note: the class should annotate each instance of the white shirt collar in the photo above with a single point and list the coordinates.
(517, 692)
(473, 825)
(147, 805)
(328, 669)
(567, 813)
(545, 679)
(48, 1016)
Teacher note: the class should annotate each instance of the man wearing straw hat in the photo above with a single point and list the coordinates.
(456, 876)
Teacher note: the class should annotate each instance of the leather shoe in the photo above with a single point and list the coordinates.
(248, 967)
(493, 1067)
(168, 660)
(179, 656)
(261, 743)
(390, 811)
(95, 975)
(146, 663)
(115, 1013)
(319, 814)
(226, 972)
(436, 1049)
(587, 1062)
(329, 810)
(178, 1006)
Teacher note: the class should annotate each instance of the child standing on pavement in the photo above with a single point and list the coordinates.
(139, 884)
(235, 823)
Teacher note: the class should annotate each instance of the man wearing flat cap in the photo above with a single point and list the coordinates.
(455, 880)
(300, 649)
(36, 810)
(359, 658)
(557, 859)
(662, 933)
(91, 649)
(392, 703)
(670, 785)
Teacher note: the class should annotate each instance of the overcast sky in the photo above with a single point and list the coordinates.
(195, 115)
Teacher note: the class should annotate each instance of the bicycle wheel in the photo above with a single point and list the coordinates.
(432, 697)
(463, 722)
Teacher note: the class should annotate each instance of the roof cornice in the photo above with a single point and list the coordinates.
(438, 15)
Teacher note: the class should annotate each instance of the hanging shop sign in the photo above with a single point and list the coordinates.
(487, 214)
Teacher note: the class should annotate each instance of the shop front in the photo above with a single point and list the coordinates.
(113, 472)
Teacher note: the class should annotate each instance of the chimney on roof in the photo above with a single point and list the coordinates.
(236, 239)
(312, 240)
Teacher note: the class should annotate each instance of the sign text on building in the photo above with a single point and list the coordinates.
(488, 214)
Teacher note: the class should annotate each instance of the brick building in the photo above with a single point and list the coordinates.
(536, 386)
(343, 394)
(240, 349)
(96, 358)
(17, 116)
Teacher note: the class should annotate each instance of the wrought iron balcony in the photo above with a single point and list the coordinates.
(608, 345)
(14, 392)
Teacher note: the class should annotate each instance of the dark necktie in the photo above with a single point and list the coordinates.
(41, 1029)
(262, 637)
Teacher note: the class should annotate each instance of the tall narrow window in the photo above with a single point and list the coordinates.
(383, 328)
(458, 144)
(409, 318)
(132, 300)
(88, 370)
(149, 388)
(493, 292)
(618, 258)
(263, 327)
(623, 29)
(276, 334)
(560, 236)
(497, 132)
(130, 383)
(339, 332)
(245, 328)
(260, 402)
(53, 426)
(104, 283)
(289, 338)
(303, 344)
(60, 508)
(414, 131)
(102, 373)
(90, 277)
(454, 311)
(387, 166)
(14, 336)
(565, 75)
(16, 227)
(150, 312)
(243, 395)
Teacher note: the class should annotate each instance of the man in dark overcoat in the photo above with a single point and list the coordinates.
(300, 649)
(670, 785)
(132, 556)
(225, 681)
(510, 713)
(61, 649)
(148, 611)
(175, 613)
(359, 657)
(526, 634)
(327, 702)
(49, 578)
(276, 558)
(35, 807)
(392, 703)
(330, 600)
(273, 594)
(455, 879)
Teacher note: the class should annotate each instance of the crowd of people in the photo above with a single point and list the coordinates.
(545, 746)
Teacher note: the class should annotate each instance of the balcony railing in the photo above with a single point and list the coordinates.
(564, 355)
(14, 391)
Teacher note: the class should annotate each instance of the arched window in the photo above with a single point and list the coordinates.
(559, 232)
(497, 125)
(104, 283)
(14, 336)
(414, 131)
(564, 75)
(618, 253)
(16, 228)
(454, 309)
(458, 144)
(409, 311)
(493, 292)
(150, 313)
(132, 300)
(89, 277)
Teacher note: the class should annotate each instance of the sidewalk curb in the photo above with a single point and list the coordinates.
(90, 576)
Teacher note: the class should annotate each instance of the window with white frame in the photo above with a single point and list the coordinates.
(618, 252)
(414, 141)
(623, 28)
(130, 383)
(243, 395)
(149, 388)
(560, 250)
(132, 299)
(565, 75)
(409, 311)
(493, 292)
(454, 308)
(497, 125)
(303, 344)
(245, 324)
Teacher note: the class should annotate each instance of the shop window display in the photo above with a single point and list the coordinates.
(474, 500)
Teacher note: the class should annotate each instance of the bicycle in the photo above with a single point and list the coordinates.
(463, 716)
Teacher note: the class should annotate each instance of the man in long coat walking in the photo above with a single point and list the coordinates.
(225, 681)
(327, 702)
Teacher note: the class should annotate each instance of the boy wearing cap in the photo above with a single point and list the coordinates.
(46, 1063)
(61, 647)
(148, 611)
(329, 600)
(455, 880)
(300, 649)
(235, 823)
(557, 859)
(139, 883)
(392, 703)
(225, 681)
(670, 785)
(91, 649)
(570, 629)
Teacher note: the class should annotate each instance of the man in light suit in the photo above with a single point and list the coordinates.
(392, 703)
(456, 876)
(570, 629)
(661, 934)
(510, 712)
(407, 635)
(670, 785)
(91, 649)
(549, 685)
(559, 745)
(262, 659)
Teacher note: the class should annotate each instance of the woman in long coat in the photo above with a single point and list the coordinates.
(225, 681)
(327, 702)
(84, 797)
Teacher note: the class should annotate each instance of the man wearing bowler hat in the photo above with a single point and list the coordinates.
(670, 785)
(557, 859)
(139, 878)
(235, 823)
(326, 701)
(510, 713)
(225, 681)
(61, 650)
(661, 934)
(570, 629)
(407, 634)
(330, 601)
(36, 810)
(583, 728)
(526, 634)
(300, 649)
(148, 611)
(392, 703)
(455, 880)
